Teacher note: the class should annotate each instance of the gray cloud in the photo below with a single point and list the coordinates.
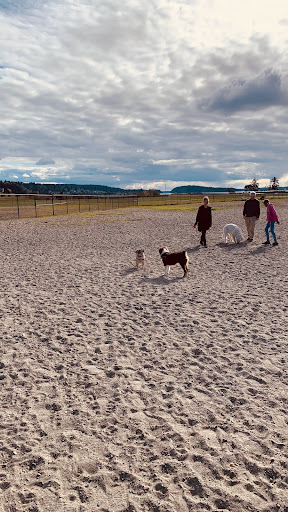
(249, 94)
(108, 89)
(45, 161)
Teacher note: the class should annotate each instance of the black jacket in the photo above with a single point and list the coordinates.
(204, 218)
(251, 208)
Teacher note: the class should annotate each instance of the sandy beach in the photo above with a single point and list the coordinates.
(126, 391)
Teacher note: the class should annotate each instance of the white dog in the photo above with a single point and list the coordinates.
(233, 233)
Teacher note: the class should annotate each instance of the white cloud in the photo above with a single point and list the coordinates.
(167, 185)
(179, 161)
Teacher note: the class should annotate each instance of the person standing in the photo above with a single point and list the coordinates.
(204, 220)
(251, 213)
(271, 219)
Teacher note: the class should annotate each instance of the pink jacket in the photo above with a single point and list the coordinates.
(271, 213)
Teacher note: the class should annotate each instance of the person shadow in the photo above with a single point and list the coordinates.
(193, 249)
(260, 249)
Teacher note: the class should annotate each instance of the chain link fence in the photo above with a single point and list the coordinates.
(13, 206)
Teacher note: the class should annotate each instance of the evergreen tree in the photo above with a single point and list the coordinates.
(274, 183)
(254, 185)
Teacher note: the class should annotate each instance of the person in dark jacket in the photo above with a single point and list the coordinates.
(251, 213)
(204, 220)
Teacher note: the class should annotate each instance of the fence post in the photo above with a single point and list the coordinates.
(105, 202)
(18, 209)
(67, 204)
(79, 203)
(53, 205)
(35, 206)
(88, 203)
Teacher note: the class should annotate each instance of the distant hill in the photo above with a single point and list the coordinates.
(17, 187)
(196, 189)
(192, 189)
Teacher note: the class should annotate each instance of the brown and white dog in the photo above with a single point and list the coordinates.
(171, 258)
(140, 258)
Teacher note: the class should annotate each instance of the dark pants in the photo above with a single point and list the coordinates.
(203, 237)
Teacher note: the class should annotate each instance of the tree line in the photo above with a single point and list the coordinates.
(254, 185)
(18, 187)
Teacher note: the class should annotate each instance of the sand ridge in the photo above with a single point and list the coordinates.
(124, 390)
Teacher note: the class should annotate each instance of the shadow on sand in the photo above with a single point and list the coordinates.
(163, 280)
(262, 249)
(231, 246)
(194, 249)
(130, 270)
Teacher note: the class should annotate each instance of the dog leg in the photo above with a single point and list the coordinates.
(167, 270)
(185, 269)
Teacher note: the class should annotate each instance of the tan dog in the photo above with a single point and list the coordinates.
(140, 258)
(171, 258)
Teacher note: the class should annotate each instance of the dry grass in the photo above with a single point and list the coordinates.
(100, 206)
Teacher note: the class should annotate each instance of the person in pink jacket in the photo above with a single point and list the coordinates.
(271, 219)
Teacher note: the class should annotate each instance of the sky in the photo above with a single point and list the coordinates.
(144, 93)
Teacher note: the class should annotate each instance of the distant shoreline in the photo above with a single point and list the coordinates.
(238, 191)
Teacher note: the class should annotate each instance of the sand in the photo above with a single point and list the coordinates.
(126, 391)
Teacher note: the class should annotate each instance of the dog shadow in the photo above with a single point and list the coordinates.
(231, 246)
(163, 280)
(131, 270)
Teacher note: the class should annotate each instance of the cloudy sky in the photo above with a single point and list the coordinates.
(144, 93)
